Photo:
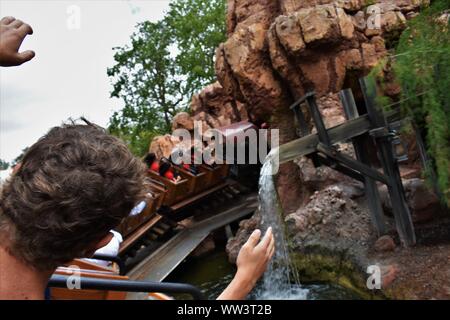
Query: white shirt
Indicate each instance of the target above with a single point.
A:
(111, 249)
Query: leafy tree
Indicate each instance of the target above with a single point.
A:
(197, 27)
(3, 164)
(422, 67)
(166, 62)
(147, 80)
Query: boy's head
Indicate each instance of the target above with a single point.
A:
(73, 186)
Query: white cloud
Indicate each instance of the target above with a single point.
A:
(67, 78)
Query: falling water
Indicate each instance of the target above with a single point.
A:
(281, 279)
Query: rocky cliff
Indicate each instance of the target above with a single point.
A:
(277, 50)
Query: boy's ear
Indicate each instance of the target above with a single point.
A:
(100, 244)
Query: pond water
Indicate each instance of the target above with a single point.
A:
(213, 273)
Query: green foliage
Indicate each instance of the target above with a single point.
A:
(165, 64)
(3, 164)
(197, 27)
(423, 66)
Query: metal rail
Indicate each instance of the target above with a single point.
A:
(59, 281)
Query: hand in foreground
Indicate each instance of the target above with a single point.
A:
(252, 261)
(12, 34)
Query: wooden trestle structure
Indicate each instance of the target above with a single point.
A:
(373, 125)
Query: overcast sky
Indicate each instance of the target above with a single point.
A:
(67, 78)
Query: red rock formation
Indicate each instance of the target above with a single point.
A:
(277, 50)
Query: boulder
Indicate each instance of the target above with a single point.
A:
(213, 107)
(182, 121)
(246, 227)
(384, 243)
(319, 24)
(289, 33)
(422, 202)
(162, 146)
(329, 214)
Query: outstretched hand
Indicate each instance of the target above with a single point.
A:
(252, 262)
(12, 34)
(253, 258)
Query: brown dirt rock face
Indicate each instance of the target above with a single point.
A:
(330, 214)
(214, 107)
(182, 121)
(162, 146)
(422, 202)
(277, 50)
(246, 227)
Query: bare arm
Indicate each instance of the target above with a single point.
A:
(12, 34)
(251, 262)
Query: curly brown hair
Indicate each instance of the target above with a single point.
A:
(73, 186)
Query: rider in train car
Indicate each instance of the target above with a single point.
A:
(163, 167)
(166, 170)
(150, 161)
(177, 159)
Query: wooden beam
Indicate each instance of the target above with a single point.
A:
(341, 133)
(360, 145)
(352, 163)
(400, 208)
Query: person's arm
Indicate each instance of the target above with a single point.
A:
(12, 34)
(252, 261)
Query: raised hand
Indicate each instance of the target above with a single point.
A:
(253, 258)
(252, 261)
(12, 34)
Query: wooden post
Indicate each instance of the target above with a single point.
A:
(304, 128)
(402, 215)
(360, 143)
(318, 121)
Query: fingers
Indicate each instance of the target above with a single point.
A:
(25, 29)
(271, 253)
(7, 20)
(271, 249)
(26, 56)
(16, 23)
(266, 240)
(22, 27)
(254, 238)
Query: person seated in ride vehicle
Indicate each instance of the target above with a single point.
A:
(111, 249)
(166, 170)
(150, 161)
(177, 160)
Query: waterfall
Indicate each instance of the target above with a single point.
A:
(280, 281)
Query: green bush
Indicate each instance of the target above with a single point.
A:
(422, 67)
